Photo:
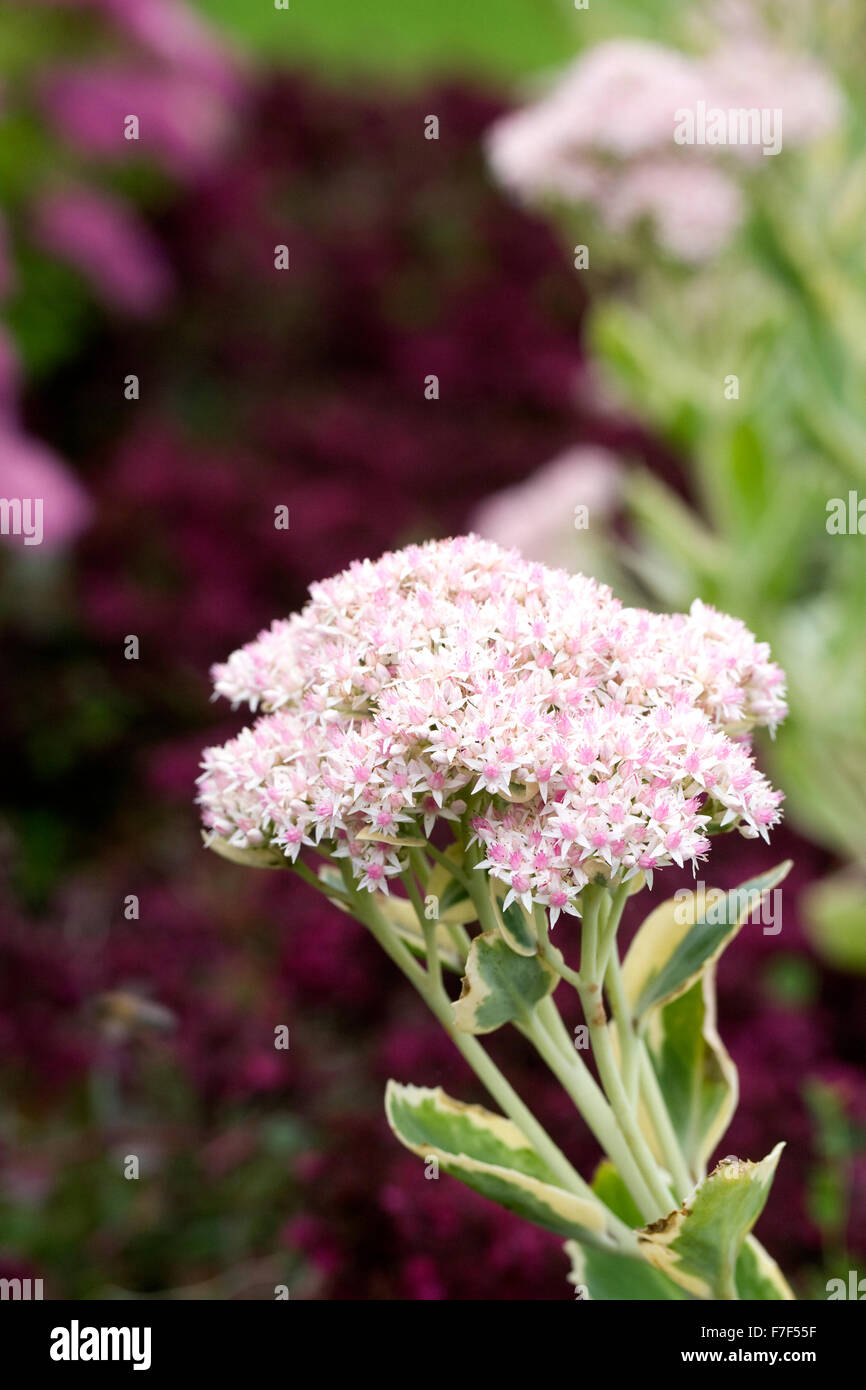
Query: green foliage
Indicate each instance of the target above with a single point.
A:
(696, 1076)
(501, 39)
(671, 950)
(499, 985)
(491, 1155)
(699, 1245)
(605, 1274)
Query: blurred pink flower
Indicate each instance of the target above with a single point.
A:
(621, 97)
(172, 32)
(29, 470)
(694, 209)
(536, 517)
(167, 29)
(181, 121)
(101, 238)
(749, 73)
(604, 134)
(616, 103)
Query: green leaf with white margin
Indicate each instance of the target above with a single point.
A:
(262, 857)
(499, 986)
(600, 1275)
(695, 1072)
(491, 1155)
(516, 925)
(608, 1275)
(678, 939)
(379, 837)
(699, 1245)
(758, 1275)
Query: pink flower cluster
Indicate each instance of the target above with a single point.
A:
(604, 135)
(456, 681)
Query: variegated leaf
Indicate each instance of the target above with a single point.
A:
(263, 857)
(758, 1275)
(379, 837)
(491, 1155)
(677, 1012)
(685, 934)
(499, 985)
(516, 925)
(600, 1275)
(603, 1275)
(695, 1072)
(699, 1245)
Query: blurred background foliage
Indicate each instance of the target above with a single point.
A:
(153, 1034)
(391, 41)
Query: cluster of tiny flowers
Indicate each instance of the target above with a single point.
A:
(455, 681)
(604, 135)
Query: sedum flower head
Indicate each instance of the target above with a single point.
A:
(457, 682)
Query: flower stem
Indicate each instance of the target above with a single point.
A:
(576, 1078)
(484, 1067)
(661, 1122)
(622, 1108)
(628, 1041)
(598, 906)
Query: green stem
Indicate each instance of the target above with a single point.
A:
(592, 901)
(304, 872)
(622, 1109)
(552, 954)
(454, 869)
(477, 885)
(420, 864)
(576, 1078)
(485, 1069)
(607, 939)
(628, 1042)
(661, 1123)
(460, 936)
(415, 898)
(434, 964)
(650, 1190)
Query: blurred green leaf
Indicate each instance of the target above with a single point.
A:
(502, 40)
